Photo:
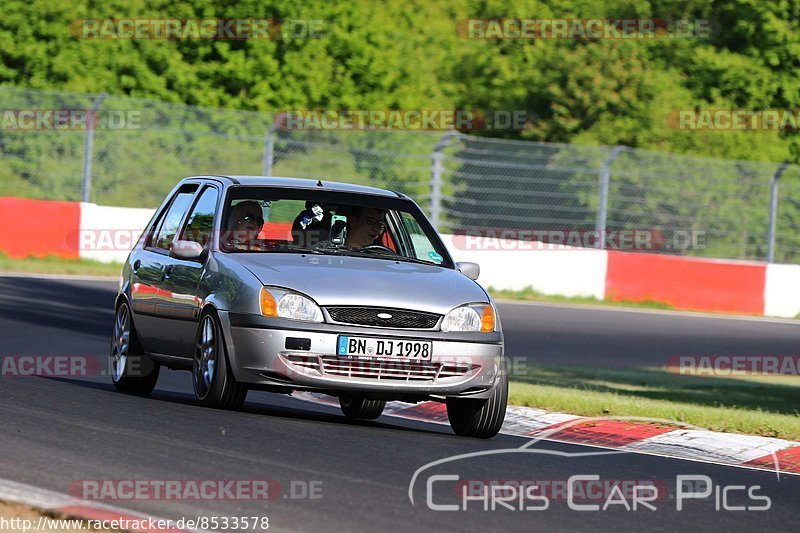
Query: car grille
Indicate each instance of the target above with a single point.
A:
(368, 316)
(380, 369)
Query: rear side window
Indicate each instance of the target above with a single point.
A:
(171, 221)
(201, 220)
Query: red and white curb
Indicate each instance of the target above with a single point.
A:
(56, 503)
(633, 435)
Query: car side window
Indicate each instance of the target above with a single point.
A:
(421, 246)
(200, 223)
(171, 221)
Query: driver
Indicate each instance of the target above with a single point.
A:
(365, 225)
(244, 224)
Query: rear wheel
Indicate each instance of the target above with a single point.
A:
(131, 370)
(212, 377)
(480, 418)
(359, 408)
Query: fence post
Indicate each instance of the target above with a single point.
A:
(773, 211)
(269, 152)
(437, 168)
(602, 208)
(88, 147)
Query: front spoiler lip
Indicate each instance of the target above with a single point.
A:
(401, 394)
(329, 385)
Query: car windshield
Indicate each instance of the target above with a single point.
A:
(276, 220)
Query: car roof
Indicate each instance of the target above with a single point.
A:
(300, 183)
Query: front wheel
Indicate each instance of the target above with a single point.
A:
(480, 418)
(131, 370)
(214, 384)
(359, 408)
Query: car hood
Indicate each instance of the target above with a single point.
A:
(341, 280)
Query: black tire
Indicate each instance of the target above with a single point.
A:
(480, 418)
(217, 388)
(131, 370)
(359, 408)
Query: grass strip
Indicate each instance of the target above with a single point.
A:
(754, 405)
(59, 265)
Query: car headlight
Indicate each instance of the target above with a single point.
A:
(283, 303)
(474, 317)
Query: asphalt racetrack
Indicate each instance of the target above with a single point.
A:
(330, 474)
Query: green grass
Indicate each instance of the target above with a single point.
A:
(531, 294)
(743, 404)
(59, 265)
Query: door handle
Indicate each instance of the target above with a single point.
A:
(168, 271)
(136, 265)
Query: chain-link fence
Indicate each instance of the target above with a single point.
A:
(137, 150)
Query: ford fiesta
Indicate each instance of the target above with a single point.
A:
(284, 285)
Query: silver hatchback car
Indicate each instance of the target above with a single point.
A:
(284, 285)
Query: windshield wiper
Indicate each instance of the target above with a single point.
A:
(301, 250)
(415, 260)
(395, 256)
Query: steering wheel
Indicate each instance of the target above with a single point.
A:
(378, 248)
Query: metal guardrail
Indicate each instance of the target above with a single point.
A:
(742, 210)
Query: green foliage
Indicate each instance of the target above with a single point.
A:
(407, 55)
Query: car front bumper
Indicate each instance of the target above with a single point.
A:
(462, 364)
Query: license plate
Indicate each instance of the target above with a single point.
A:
(372, 347)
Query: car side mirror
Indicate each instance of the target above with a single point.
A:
(186, 250)
(471, 270)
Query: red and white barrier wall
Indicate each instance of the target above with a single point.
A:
(782, 290)
(38, 227)
(103, 233)
(700, 284)
(107, 234)
(557, 270)
(687, 283)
